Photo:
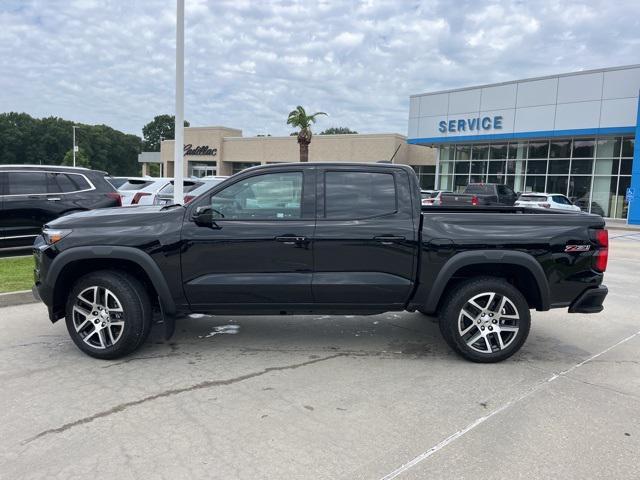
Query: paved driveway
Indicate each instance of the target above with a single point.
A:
(329, 397)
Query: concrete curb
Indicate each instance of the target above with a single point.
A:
(11, 299)
(622, 225)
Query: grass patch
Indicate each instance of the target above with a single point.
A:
(16, 273)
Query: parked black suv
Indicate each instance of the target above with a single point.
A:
(32, 195)
(319, 238)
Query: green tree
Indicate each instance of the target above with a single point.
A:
(298, 118)
(162, 126)
(338, 131)
(82, 160)
(46, 141)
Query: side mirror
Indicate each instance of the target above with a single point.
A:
(203, 217)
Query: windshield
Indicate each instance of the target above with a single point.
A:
(130, 185)
(187, 186)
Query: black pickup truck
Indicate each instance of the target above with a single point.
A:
(481, 194)
(318, 238)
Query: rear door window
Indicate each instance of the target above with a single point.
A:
(353, 195)
(66, 183)
(26, 183)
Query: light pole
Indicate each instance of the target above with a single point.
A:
(178, 154)
(74, 144)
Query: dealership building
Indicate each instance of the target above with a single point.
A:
(572, 134)
(224, 151)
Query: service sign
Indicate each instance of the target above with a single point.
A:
(471, 124)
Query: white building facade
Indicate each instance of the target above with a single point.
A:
(572, 134)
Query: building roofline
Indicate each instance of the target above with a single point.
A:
(214, 127)
(531, 79)
(317, 135)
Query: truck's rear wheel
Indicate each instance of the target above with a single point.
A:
(485, 319)
(108, 314)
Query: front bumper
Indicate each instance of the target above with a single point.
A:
(589, 301)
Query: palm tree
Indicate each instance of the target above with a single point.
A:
(299, 118)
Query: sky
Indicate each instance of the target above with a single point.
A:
(248, 63)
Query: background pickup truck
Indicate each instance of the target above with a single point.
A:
(318, 238)
(481, 194)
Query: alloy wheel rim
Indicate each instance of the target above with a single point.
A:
(98, 317)
(488, 322)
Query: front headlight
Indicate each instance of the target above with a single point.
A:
(54, 235)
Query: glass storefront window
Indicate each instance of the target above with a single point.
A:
(536, 167)
(564, 166)
(604, 192)
(463, 152)
(446, 153)
(426, 176)
(557, 184)
(627, 147)
(462, 167)
(606, 166)
(480, 152)
(445, 182)
(535, 184)
(460, 182)
(498, 151)
(446, 168)
(560, 149)
(517, 150)
(479, 167)
(608, 148)
(558, 167)
(625, 166)
(621, 205)
(580, 187)
(538, 150)
(497, 179)
(497, 167)
(582, 167)
(583, 148)
(515, 167)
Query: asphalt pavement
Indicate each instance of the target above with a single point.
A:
(331, 397)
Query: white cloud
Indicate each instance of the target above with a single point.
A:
(249, 63)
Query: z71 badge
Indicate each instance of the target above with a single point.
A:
(577, 248)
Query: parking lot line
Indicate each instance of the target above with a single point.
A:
(453, 437)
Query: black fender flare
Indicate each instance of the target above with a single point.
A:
(139, 257)
(504, 257)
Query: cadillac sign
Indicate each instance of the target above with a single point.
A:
(189, 149)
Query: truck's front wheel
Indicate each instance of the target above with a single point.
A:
(486, 319)
(108, 314)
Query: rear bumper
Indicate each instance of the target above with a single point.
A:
(589, 301)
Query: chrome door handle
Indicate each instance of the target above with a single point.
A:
(53, 199)
(389, 239)
(291, 239)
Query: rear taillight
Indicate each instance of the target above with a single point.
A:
(115, 196)
(601, 255)
(188, 198)
(427, 201)
(138, 196)
(474, 201)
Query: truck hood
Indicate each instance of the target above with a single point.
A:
(135, 216)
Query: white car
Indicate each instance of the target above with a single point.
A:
(551, 201)
(141, 190)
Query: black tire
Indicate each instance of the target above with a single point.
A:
(126, 303)
(501, 336)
